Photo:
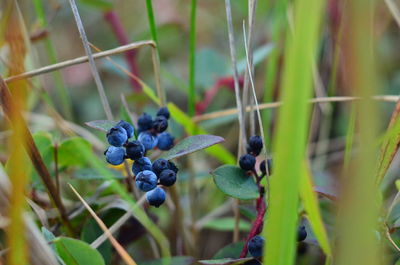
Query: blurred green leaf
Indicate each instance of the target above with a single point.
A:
(76, 252)
(210, 65)
(102, 125)
(100, 4)
(226, 261)
(311, 205)
(44, 143)
(69, 152)
(90, 174)
(230, 251)
(259, 55)
(227, 224)
(178, 260)
(192, 144)
(234, 182)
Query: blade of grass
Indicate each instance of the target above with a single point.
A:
(93, 68)
(291, 133)
(192, 60)
(152, 23)
(121, 251)
(311, 205)
(62, 91)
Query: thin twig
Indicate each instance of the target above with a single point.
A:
(272, 105)
(121, 251)
(389, 237)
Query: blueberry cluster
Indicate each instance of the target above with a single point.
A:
(152, 134)
(248, 161)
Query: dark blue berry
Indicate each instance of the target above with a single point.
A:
(160, 124)
(301, 233)
(127, 126)
(146, 180)
(165, 141)
(247, 162)
(163, 112)
(255, 145)
(167, 177)
(134, 150)
(156, 197)
(145, 122)
(117, 136)
(172, 166)
(263, 168)
(115, 155)
(148, 140)
(141, 164)
(255, 246)
(160, 165)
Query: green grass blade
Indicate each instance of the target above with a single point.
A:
(311, 205)
(192, 61)
(152, 22)
(291, 134)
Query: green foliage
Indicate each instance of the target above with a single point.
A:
(226, 261)
(227, 224)
(230, 251)
(76, 252)
(68, 154)
(234, 182)
(102, 125)
(178, 260)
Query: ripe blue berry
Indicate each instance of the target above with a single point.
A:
(148, 140)
(160, 124)
(255, 246)
(263, 168)
(117, 136)
(134, 150)
(167, 177)
(247, 162)
(141, 164)
(301, 233)
(156, 197)
(255, 145)
(159, 165)
(163, 112)
(145, 122)
(115, 155)
(172, 166)
(146, 180)
(165, 141)
(127, 126)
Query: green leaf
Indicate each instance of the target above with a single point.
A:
(259, 55)
(192, 144)
(227, 224)
(210, 65)
(234, 182)
(102, 125)
(76, 252)
(70, 153)
(178, 260)
(310, 202)
(230, 251)
(226, 261)
(101, 4)
(90, 174)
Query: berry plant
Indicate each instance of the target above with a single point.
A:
(171, 132)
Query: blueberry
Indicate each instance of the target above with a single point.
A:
(159, 165)
(173, 167)
(115, 155)
(255, 145)
(146, 180)
(156, 197)
(167, 177)
(145, 122)
(127, 126)
(148, 140)
(141, 164)
(255, 246)
(117, 136)
(165, 141)
(301, 233)
(135, 150)
(163, 112)
(160, 124)
(247, 162)
(263, 169)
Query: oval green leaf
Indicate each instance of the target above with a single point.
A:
(76, 252)
(102, 125)
(226, 261)
(192, 144)
(234, 182)
(68, 154)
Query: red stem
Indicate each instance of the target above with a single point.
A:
(130, 56)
